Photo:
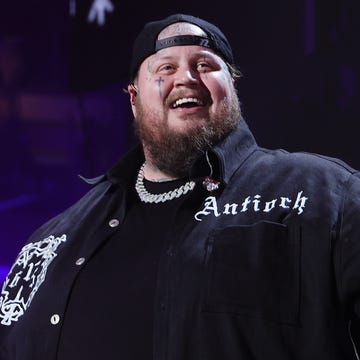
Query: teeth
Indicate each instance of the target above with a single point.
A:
(186, 100)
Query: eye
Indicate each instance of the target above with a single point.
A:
(166, 68)
(203, 67)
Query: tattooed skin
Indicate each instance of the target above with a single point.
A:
(159, 81)
(186, 104)
(174, 152)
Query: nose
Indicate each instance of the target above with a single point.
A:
(185, 76)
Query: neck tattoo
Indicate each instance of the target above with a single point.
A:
(147, 197)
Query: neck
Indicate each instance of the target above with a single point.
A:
(152, 173)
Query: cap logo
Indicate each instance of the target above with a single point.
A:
(181, 40)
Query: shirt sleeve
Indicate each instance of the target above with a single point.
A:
(347, 256)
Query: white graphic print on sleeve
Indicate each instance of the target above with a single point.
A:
(26, 276)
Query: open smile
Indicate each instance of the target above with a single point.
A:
(187, 102)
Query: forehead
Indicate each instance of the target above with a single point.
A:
(189, 52)
(181, 28)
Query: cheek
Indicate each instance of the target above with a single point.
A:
(155, 88)
(218, 84)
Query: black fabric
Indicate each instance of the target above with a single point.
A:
(145, 42)
(181, 40)
(110, 313)
(203, 309)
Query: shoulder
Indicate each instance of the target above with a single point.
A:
(315, 173)
(306, 162)
(75, 213)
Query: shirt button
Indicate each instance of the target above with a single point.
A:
(80, 261)
(114, 222)
(55, 319)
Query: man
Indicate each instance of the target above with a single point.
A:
(198, 244)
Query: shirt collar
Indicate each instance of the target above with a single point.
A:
(225, 158)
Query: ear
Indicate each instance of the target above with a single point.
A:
(132, 89)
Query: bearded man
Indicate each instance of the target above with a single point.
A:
(198, 244)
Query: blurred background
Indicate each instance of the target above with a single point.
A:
(64, 65)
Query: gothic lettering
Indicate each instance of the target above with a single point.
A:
(253, 203)
(26, 276)
(231, 207)
(209, 206)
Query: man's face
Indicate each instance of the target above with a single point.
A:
(186, 101)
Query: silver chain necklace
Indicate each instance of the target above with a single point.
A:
(147, 197)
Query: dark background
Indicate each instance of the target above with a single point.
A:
(63, 110)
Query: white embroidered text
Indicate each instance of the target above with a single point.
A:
(251, 203)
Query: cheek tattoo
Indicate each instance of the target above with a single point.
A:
(149, 67)
(159, 81)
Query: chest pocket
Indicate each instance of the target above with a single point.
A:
(254, 271)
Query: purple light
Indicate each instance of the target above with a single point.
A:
(309, 27)
(4, 270)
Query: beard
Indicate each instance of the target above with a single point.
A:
(173, 151)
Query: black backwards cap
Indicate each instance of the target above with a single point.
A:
(146, 42)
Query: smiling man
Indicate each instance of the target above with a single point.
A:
(198, 244)
(183, 98)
